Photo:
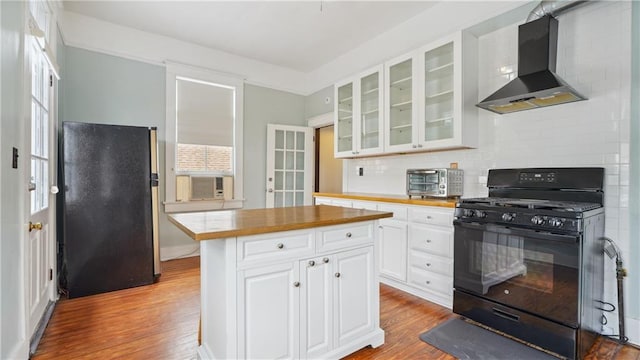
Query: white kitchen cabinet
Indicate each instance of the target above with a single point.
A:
(431, 94)
(358, 121)
(297, 294)
(415, 249)
(393, 249)
(268, 323)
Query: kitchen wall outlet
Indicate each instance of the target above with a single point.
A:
(453, 165)
(360, 170)
(14, 162)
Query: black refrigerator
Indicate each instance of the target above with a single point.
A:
(110, 208)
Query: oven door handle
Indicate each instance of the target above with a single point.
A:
(539, 235)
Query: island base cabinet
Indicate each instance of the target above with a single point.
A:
(323, 305)
(268, 316)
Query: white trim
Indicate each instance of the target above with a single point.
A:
(20, 351)
(174, 70)
(321, 120)
(187, 206)
(179, 251)
(633, 330)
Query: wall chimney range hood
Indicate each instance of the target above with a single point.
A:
(537, 84)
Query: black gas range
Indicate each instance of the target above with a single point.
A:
(528, 259)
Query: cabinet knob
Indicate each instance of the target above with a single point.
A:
(429, 217)
(325, 260)
(280, 246)
(296, 284)
(414, 146)
(428, 241)
(337, 275)
(428, 264)
(428, 282)
(312, 263)
(419, 145)
(348, 234)
(380, 227)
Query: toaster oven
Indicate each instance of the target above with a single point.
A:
(441, 183)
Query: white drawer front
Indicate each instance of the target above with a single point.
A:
(399, 212)
(345, 236)
(323, 201)
(431, 239)
(431, 281)
(275, 246)
(364, 205)
(431, 216)
(428, 262)
(341, 202)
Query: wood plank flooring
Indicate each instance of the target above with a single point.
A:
(160, 321)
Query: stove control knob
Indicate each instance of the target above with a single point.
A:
(537, 220)
(468, 213)
(555, 222)
(481, 214)
(507, 217)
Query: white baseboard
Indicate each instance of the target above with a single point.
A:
(632, 328)
(20, 351)
(179, 251)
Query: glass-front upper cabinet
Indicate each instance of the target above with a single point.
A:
(425, 102)
(400, 104)
(359, 115)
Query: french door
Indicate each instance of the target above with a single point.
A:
(41, 140)
(289, 166)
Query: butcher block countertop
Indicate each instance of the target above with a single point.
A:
(399, 199)
(231, 223)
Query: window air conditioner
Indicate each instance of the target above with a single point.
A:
(191, 188)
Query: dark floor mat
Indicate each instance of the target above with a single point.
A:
(467, 341)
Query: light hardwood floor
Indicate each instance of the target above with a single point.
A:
(160, 321)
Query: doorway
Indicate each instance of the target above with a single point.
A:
(328, 168)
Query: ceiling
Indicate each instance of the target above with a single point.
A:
(300, 35)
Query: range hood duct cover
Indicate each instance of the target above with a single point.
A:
(537, 84)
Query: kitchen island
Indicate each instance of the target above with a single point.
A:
(298, 282)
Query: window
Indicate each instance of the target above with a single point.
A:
(204, 134)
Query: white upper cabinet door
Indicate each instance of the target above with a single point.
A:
(358, 114)
(400, 103)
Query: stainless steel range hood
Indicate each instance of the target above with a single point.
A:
(537, 84)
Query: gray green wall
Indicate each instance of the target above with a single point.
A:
(108, 89)
(264, 106)
(315, 104)
(12, 184)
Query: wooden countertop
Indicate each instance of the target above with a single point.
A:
(231, 223)
(399, 199)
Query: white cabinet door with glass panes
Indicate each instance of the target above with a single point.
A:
(425, 107)
(289, 166)
(358, 114)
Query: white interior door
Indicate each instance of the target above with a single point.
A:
(289, 166)
(39, 251)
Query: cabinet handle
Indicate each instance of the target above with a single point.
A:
(428, 264)
(414, 146)
(428, 241)
(296, 284)
(337, 275)
(380, 227)
(428, 282)
(429, 217)
(419, 145)
(312, 263)
(325, 260)
(348, 234)
(280, 246)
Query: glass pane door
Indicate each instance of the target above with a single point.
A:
(369, 112)
(401, 103)
(438, 89)
(289, 168)
(344, 130)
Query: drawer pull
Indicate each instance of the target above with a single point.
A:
(348, 234)
(428, 264)
(312, 263)
(296, 284)
(280, 246)
(429, 217)
(325, 260)
(428, 241)
(337, 275)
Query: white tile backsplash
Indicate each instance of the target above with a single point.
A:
(593, 56)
